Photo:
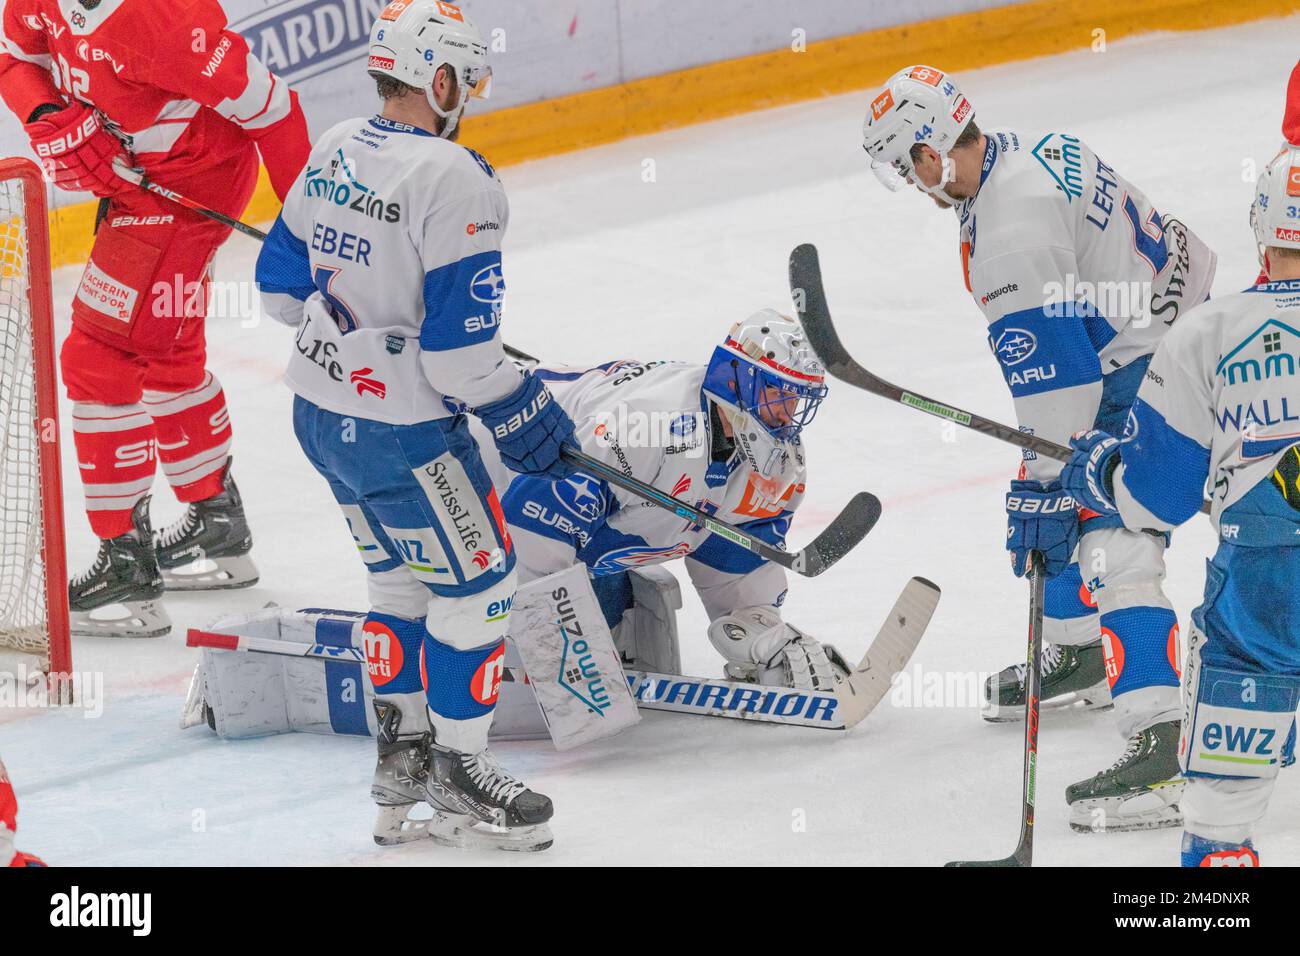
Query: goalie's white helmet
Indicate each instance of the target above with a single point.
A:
(768, 384)
(411, 39)
(919, 104)
(1275, 213)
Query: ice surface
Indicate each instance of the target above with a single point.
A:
(602, 265)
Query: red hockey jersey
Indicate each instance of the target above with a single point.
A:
(182, 91)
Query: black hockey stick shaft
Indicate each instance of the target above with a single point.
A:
(147, 184)
(1024, 852)
(810, 300)
(839, 538)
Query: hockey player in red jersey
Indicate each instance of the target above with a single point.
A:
(168, 89)
(9, 825)
(1291, 116)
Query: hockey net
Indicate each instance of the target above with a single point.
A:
(33, 572)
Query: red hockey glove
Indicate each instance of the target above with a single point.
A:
(76, 151)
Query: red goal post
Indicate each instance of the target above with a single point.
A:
(33, 563)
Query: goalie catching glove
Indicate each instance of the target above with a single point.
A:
(760, 648)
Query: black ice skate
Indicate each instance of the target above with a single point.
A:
(206, 549)
(118, 595)
(400, 776)
(1071, 676)
(1140, 792)
(477, 804)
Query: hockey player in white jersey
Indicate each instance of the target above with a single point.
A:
(1220, 406)
(1079, 278)
(727, 437)
(387, 260)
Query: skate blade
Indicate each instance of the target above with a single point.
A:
(1151, 809)
(126, 619)
(394, 825)
(212, 574)
(466, 833)
(1093, 699)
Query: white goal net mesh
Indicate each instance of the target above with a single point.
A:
(24, 614)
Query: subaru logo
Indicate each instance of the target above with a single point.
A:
(1015, 345)
(682, 426)
(581, 495)
(488, 285)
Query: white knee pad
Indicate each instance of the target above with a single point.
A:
(1127, 566)
(398, 593)
(475, 620)
(1225, 810)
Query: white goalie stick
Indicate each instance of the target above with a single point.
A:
(853, 698)
(815, 315)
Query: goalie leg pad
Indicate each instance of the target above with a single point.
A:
(572, 665)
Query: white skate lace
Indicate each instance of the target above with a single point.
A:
(1131, 750)
(86, 576)
(489, 777)
(175, 532)
(1051, 657)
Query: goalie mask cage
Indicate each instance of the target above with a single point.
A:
(33, 566)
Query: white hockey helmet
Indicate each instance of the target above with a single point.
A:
(919, 104)
(1275, 213)
(411, 39)
(768, 384)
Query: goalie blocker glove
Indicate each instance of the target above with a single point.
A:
(530, 430)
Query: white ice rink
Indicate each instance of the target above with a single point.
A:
(603, 265)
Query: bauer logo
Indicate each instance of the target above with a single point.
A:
(1015, 345)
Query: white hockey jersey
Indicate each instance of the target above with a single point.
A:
(387, 259)
(1077, 274)
(646, 419)
(1220, 404)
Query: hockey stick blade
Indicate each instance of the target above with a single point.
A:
(848, 528)
(889, 653)
(814, 314)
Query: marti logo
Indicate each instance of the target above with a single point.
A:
(383, 650)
